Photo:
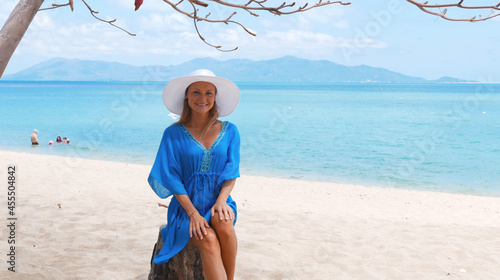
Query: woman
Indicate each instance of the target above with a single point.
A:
(198, 163)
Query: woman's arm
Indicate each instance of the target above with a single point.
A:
(220, 205)
(198, 223)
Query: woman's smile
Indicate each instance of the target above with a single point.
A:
(201, 96)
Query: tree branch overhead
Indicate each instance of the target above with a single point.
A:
(435, 9)
(13, 30)
(253, 7)
(191, 9)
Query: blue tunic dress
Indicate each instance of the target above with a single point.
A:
(185, 166)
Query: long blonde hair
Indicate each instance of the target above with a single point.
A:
(213, 115)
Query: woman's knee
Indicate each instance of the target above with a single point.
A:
(209, 243)
(222, 227)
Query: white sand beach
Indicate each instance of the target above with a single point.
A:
(88, 219)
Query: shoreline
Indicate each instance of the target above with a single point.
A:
(284, 177)
(92, 219)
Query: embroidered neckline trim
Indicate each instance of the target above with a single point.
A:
(207, 154)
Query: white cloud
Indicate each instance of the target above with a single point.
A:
(172, 34)
(6, 7)
(311, 41)
(325, 14)
(97, 40)
(299, 43)
(322, 19)
(341, 24)
(42, 21)
(303, 22)
(230, 38)
(166, 22)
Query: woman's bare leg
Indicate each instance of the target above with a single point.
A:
(228, 243)
(210, 249)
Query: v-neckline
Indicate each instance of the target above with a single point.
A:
(198, 143)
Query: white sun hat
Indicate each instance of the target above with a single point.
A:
(226, 99)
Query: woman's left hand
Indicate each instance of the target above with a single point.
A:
(223, 209)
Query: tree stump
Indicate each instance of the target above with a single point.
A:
(186, 265)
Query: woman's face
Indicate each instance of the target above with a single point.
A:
(201, 97)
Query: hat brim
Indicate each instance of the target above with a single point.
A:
(226, 99)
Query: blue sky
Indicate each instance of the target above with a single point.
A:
(391, 34)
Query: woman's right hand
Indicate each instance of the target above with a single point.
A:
(197, 226)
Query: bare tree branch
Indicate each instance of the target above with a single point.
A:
(92, 12)
(199, 3)
(201, 37)
(252, 7)
(280, 10)
(494, 10)
(55, 6)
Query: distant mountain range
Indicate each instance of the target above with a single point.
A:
(284, 69)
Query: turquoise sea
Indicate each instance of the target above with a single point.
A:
(437, 137)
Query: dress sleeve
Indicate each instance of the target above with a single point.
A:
(232, 167)
(165, 176)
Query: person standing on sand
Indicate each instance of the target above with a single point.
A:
(34, 138)
(198, 162)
